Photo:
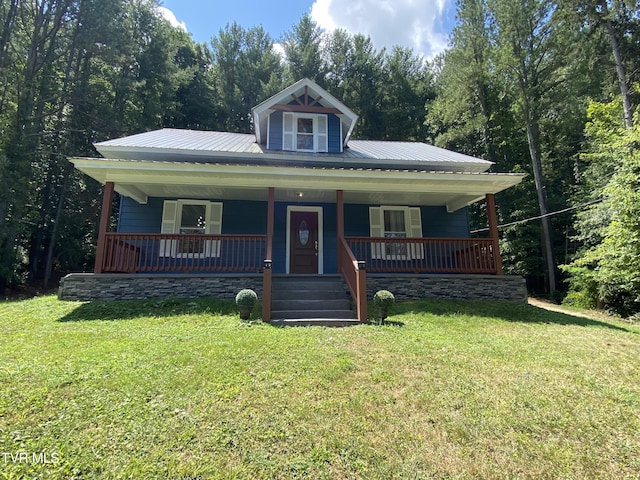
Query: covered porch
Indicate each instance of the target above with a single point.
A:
(252, 254)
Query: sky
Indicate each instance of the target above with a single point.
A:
(422, 25)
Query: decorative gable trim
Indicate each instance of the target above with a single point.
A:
(308, 97)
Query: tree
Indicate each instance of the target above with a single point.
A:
(619, 20)
(607, 270)
(247, 71)
(303, 52)
(533, 53)
(407, 90)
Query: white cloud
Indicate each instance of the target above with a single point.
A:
(279, 49)
(170, 17)
(418, 24)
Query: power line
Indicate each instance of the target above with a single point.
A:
(540, 216)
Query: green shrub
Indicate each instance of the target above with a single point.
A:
(383, 300)
(246, 298)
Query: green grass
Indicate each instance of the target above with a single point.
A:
(183, 389)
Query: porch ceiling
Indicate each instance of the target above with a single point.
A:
(142, 179)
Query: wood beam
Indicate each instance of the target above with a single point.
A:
(268, 263)
(105, 218)
(317, 100)
(340, 221)
(493, 231)
(306, 109)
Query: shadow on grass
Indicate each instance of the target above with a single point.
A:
(129, 309)
(509, 311)
(384, 323)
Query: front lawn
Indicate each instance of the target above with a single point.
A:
(184, 389)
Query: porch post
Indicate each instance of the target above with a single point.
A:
(105, 217)
(268, 262)
(493, 231)
(339, 223)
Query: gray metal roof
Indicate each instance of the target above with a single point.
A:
(193, 145)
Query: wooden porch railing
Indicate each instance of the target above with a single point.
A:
(140, 253)
(355, 275)
(425, 255)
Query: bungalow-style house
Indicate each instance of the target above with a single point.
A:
(208, 213)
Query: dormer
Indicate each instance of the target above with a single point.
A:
(303, 118)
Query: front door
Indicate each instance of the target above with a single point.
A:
(304, 242)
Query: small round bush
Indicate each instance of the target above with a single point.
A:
(246, 298)
(384, 299)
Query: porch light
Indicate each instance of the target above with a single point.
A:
(300, 194)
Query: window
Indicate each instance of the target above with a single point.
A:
(304, 132)
(394, 227)
(395, 222)
(189, 218)
(192, 218)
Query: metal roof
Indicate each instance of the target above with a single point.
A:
(194, 145)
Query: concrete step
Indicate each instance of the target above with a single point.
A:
(310, 300)
(306, 304)
(300, 314)
(333, 294)
(310, 322)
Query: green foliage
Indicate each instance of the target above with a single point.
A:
(383, 299)
(609, 265)
(246, 298)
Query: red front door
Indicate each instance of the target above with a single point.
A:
(304, 242)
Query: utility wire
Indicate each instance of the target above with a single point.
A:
(526, 220)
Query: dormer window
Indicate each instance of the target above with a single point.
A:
(305, 132)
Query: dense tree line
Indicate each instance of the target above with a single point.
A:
(546, 87)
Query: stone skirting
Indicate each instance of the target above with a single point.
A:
(455, 287)
(90, 286)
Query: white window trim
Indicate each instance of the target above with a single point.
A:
(320, 144)
(413, 229)
(169, 248)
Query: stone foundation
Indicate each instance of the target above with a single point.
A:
(455, 287)
(89, 286)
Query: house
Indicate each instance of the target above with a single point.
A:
(208, 213)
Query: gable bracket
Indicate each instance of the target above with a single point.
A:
(295, 97)
(315, 101)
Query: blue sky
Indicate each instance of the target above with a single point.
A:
(423, 25)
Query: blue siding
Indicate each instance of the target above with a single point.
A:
(137, 218)
(242, 217)
(437, 222)
(275, 131)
